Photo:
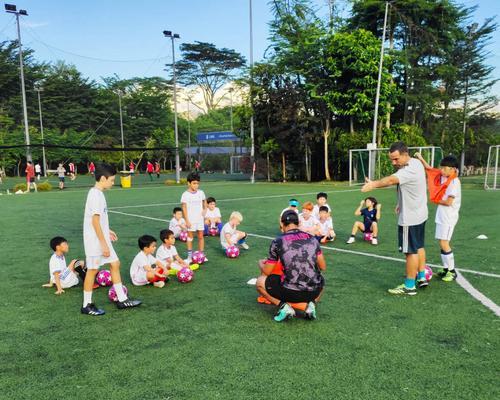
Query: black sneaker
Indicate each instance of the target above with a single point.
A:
(91, 309)
(128, 304)
(422, 283)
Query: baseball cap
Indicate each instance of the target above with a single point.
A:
(290, 217)
(293, 203)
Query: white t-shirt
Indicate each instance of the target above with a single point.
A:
(316, 210)
(194, 205)
(215, 213)
(448, 215)
(289, 209)
(58, 264)
(176, 226)
(163, 253)
(412, 194)
(325, 226)
(61, 171)
(137, 270)
(307, 223)
(227, 229)
(96, 205)
(38, 169)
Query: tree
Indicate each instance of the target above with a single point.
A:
(269, 147)
(208, 67)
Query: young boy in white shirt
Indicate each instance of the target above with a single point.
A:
(321, 201)
(213, 217)
(177, 223)
(167, 253)
(230, 236)
(447, 212)
(97, 240)
(307, 221)
(61, 172)
(145, 268)
(194, 206)
(61, 275)
(326, 232)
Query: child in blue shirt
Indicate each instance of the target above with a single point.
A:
(371, 216)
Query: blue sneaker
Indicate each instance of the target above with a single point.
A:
(284, 312)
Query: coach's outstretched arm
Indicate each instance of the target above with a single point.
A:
(390, 180)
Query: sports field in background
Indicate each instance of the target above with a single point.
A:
(210, 339)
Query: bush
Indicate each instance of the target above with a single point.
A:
(20, 186)
(170, 182)
(44, 186)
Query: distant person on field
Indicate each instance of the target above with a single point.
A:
(61, 172)
(91, 168)
(38, 171)
(412, 211)
(72, 171)
(370, 209)
(30, 177)
(131, 168)
(448, 197)
(157, 169)
(150, 170)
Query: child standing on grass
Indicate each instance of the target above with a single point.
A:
(371, 215)
(321, 201)
(194, 206)
(213, 217)
(445, 179)
(230, 236)
(61, 275)
(30, 177)
(61, 172)
(177, 223)
(326, 232)
(167, 253)
(97, 238)
(145, 268)
(307, 221)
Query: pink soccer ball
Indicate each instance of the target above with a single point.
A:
(183, 236)
(198, 257)
(367, 236)
(104, 278)
(185, 275)
(232, 251)
(112, 294)
(213, 231)
(428, 273)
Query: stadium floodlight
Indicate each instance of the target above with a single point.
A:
(177, 159)
(11, 8)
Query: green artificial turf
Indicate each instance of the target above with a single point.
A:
(210, 339)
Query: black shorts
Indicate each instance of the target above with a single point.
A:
(276, 289)
(61, 179)
(32, 179)
(411, 238)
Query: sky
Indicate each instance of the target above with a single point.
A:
(124, 37)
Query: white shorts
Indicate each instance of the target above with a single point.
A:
(444, 232)
(197, 226)
(234, 240)
(70, 280)
(139, 278)
(176, 232)
(95, 262)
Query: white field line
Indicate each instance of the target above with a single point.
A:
(464, 283)
(236, 199)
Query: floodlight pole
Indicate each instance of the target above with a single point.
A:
(252, 136)
(10, 8)
(38, 90)
(121, 128)
(189, 135)
(377, 97)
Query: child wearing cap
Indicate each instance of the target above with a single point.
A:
(293, 205)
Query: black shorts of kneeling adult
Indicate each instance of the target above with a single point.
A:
(274, 286)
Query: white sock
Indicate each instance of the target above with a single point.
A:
(448, 260)
(120, 292)
(87, 298)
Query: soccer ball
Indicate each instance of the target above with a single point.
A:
(112, 294)
(198, 257)
(428, 273)
(104, 278)
(183, 236)
(185, 275)
(367, 236)
(232, 251)
(213, 231)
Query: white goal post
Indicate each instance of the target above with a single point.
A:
(492, 178)
(359, 162)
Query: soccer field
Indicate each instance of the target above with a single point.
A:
(210, 339)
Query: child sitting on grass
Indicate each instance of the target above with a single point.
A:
(145, 268)
(326, 232)
(61, 275)
(307, 221)
(371, 216)
(213, 218)
(177, 223)
(230, 236)
(321, 201)
(167, 253)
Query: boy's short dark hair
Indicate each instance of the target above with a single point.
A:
(373, 200)
(449, 161)
(145, 241)
(210, 200)
(324, 208)
(165, 234)
(398, 146)
(193, 176)
(104, 169)
(321, 194)
(176, 209)
(56, 241)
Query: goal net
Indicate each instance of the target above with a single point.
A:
(492, 177)
(359, 162)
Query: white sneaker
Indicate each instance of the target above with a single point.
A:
(189, 260)
(245, 246)
(351, 240)
(159, 284)
(374, 241)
